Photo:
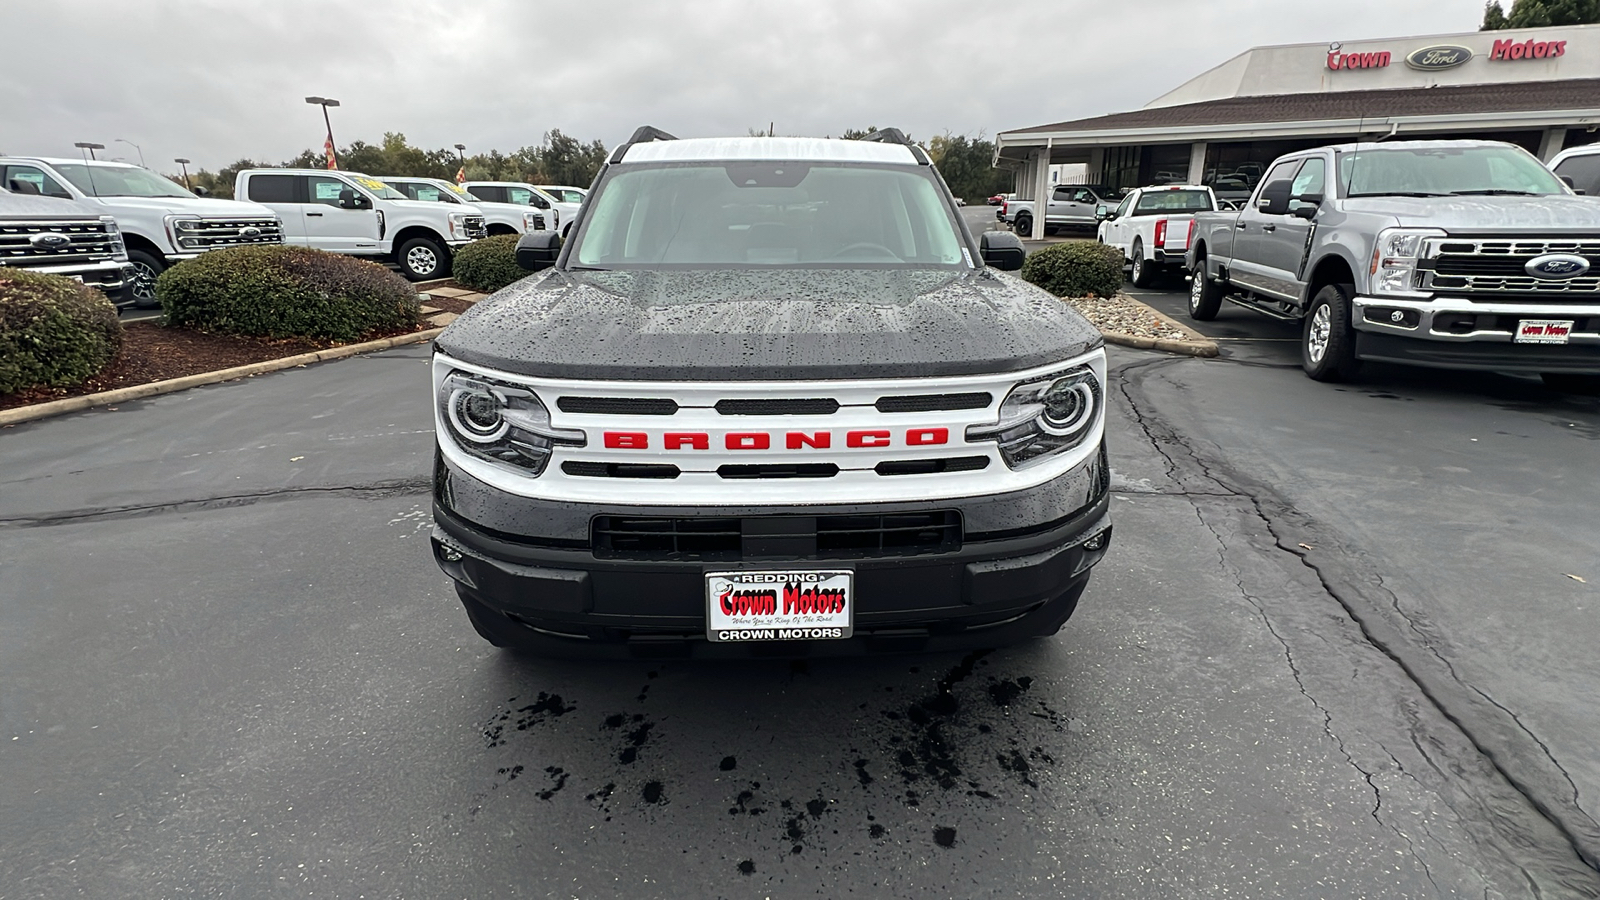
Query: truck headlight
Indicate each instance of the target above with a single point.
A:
(119, 249)
(185, 233)
(1044, 416)
(500, 422)
(1394, 260)
(458, 223)
(532, 221)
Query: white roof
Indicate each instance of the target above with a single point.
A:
(769, 148)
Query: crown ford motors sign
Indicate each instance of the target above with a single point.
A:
(1439, 56)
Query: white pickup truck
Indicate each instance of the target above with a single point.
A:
(561, 214)
(346, 212)
(1152, 226)
(499, 218)
(161, 223)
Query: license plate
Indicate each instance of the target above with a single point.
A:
(801, 605)
(1544, 331)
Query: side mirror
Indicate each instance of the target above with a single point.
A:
(538, 250)
(1274, 199)
(1002, 250)
(1308, 206)
(1567, 180)
(347, 199)
(201, 191)
(1102, 212)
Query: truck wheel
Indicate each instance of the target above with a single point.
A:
(1328, 340)
(1022, 224)
(1141, 270)
(421, 259)
(146, 267)
(1205, 295)
(1571, 383)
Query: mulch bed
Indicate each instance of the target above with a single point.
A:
(151, 352)
(1122, 315)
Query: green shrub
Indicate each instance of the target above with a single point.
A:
(53, 331)
(1076, 269)
(284, 292)
(488, 265)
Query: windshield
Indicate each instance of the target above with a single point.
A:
(377, 187)
(768, 214)
(461, 192)
(116, 181)
(1443, 171)
(421, 190)
(1154, 202)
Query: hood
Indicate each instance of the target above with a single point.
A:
(1492, 215)
(753, 325)
(196, 206)
(468, 209)
(35, 206)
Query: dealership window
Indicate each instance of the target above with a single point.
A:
(1164, 164)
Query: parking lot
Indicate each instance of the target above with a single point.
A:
(1339, 649)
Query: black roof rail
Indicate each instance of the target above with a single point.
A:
(896, 136)
(642, 135)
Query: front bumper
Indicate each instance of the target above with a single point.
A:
(1456, 333)
(998, 587)
(114, 279)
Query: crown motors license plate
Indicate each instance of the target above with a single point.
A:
(1544, 331)
(805, 605)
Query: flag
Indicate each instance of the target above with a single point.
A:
(461, 174)
(327, 147)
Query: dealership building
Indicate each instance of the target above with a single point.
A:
(1536, 87)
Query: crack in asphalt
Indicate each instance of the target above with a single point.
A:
(1580, 830)
(374, 490)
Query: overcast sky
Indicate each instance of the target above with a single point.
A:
(218, 81)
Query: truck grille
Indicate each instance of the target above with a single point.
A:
(24, 243)
(475, 227)
(1495, 269)
(732, 539)
(209, 234)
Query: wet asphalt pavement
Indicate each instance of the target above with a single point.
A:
(1333, 653)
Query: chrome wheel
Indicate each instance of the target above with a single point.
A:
(1197, 290)
(422, 260)
(1138, 267)
(1317, 335)
(144, 283)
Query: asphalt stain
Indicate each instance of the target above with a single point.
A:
(876, 831)
(1005, 691)
(547, 706)
(861, 773)
(511, 772)
(558, 778)
(747, 867)
(652, 792)
(944, 836)
(728, 764)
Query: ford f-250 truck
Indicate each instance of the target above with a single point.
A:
(1452, 254)
(1071, 206)
(770, 398)
(53, 236)
(1152, 226)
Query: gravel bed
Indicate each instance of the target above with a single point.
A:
(1125, 316)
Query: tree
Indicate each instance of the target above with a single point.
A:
(967, 164)
(1540, 14)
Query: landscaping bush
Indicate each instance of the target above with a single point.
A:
(53, 330)
(1076, 269)
(284, 292)
(488, 265)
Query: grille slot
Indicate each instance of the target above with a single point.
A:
(619, 470)
(932, 466)
(933, 402)
(813, 406)
(624, 406)
(734, 538)
(779, 470)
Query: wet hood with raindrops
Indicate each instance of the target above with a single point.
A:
(767, 324)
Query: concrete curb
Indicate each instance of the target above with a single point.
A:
(156, 388)
(1193, 344)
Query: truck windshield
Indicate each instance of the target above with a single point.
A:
(1155, 202)
(754, 214)
(117, 181)
(419, 190)
(1443, 171)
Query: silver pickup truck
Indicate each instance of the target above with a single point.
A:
(1451, 254)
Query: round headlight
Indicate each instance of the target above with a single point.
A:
(477, 414)
(1067, 403)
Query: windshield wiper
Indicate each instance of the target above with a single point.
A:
(1496, 192)
(1395, 194)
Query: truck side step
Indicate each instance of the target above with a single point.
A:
(1277, 309)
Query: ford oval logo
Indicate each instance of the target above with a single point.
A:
(1439, 56)
(249, 231)
(49, 240)
(1557, 265)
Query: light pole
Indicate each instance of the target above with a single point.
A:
(90, 146)
(461, 151)
(185, 163)
(326, 102)
(134, 146)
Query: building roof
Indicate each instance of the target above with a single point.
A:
(1572, 94)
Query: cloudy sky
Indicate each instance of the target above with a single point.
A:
(222, 80)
